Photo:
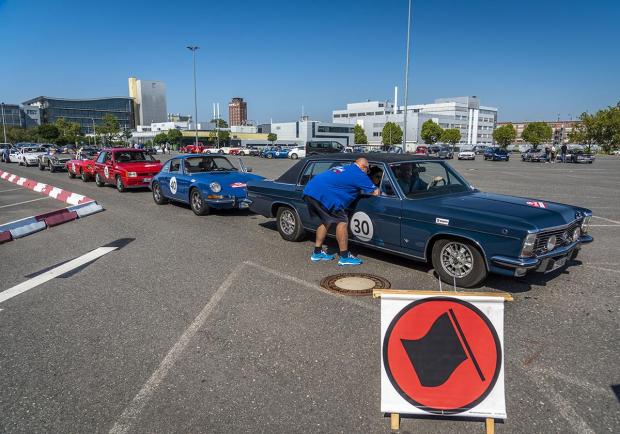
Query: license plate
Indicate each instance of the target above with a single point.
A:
(146, 179)
(558, 263)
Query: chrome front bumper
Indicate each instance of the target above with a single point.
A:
(540, 260)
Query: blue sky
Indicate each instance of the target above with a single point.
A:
(531, 59)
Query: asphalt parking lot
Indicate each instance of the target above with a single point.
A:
(215, 324)
(18, 202)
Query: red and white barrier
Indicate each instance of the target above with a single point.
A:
(46, 189)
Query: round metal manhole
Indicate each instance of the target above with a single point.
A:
(354, 283)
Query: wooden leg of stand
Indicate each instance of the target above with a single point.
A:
(490, 424)
(395, 421)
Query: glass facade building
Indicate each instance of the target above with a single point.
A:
(85, 112)
(14, 115)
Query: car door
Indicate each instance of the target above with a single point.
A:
(376, 219)
(169, 181)
(163, 178)
(100, 163)
(108, 167)
(312, 169)
(184, 179)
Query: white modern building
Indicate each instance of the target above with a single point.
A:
(149, 101)
(306, 130)
(475, 122)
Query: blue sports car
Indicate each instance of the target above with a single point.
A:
(496, 154)
(203, 182)
(275, 152)
(428, 212)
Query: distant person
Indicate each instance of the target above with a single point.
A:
(547, 152)
(563, 150)
(554, 152)
(328, 195)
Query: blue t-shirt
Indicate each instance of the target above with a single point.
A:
(337, 187)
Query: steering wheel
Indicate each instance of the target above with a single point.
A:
(436, 180)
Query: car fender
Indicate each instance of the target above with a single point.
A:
(453, 235)
(277, 204)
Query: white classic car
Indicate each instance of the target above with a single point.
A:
(467, 155)
(27, 156)
(298, 152)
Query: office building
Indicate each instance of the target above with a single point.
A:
(15, 115)
(306, 130)
(560, 129)
(177, 117)
(84, 112)
(150, 101)
(237, 112)
(475, 122)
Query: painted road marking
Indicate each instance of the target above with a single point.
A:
(135, 407)
(606, 219)
(62, 269)
(26, 201)
(10, 189)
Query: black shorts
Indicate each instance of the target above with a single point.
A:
(327, 217)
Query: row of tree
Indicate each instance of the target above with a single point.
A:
(392, 134)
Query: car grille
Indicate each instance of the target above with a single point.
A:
(563, 237)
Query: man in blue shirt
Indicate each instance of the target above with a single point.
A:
(328, 195)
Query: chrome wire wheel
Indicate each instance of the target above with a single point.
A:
(457, 259)
(156, 192)
(287, 222)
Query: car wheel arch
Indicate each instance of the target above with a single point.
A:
(277, 205)
(456, 237)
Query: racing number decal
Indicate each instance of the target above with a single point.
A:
(361, 226)
(106, 171)
(173, 185)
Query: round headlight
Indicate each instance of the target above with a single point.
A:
(215, 187)
(576, 234)
(551, 242)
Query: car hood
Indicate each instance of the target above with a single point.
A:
(507, 211)
(33, 154)
(226, 178)
(146, 165)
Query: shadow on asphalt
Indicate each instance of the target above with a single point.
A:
(513, 285)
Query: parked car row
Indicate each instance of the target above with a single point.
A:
(426, 210)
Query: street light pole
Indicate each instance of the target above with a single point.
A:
(406, 79)
(193, 49)
(94, 132)
(3, 124)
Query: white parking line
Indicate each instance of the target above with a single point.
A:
(606, 219)
(135, 407)
(11, 189)
(54, 272)
(26, 201)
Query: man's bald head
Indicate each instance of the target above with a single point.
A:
(362, 163)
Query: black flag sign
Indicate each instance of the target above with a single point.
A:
(436, 355)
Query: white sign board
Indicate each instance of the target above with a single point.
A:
(442, 354)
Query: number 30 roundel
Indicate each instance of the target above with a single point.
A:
(361, 226)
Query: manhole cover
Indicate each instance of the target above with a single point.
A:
(354, 283)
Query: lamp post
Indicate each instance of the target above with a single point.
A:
(193, 49)
(3, 124)
(406, 80)
(94, 132)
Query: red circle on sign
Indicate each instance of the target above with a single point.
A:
(442, 355)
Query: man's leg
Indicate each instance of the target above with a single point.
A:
(342, 237)
(321, 233)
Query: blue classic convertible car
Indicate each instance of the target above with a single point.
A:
(202, 181)
(428, 212)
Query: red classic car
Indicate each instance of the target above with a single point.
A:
(125, 168)
(83, 165)
(193, 149)
(421, 150)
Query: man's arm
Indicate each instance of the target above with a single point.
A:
(377, 192)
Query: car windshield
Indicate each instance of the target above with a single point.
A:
(132, 156)
(26, 150)
(420, 179)
(208, 164)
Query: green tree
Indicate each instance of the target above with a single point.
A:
(451, 136)
(219, 123)
(70, 132)
(109, 129)
(48, 133)
(272, 137)
(391, 134)
(431, 132)
(160, 138)
(602, 128)
(504, 135)
(537, 133)
(18, 134)
(223, 136)
(360, 135)
(175, 137)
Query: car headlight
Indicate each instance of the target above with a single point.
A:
(576, 234)
(585, 224)
(551, 242)
(528, 245)
(132, 174)
(215, 187)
